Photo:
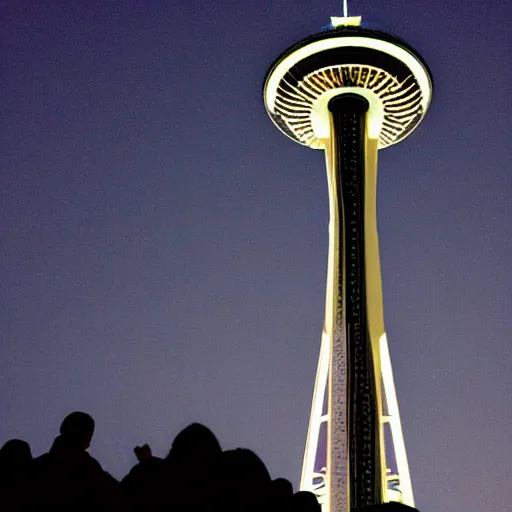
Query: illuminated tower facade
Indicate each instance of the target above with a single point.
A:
(351, 91)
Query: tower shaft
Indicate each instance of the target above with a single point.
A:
(354, 442)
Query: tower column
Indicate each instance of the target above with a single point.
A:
(354, 427)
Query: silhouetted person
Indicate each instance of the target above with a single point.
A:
(181, 481)
(191, 467)
(67, 477)
(15, 463)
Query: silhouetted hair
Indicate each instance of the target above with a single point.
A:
(195, 440)
(77, 425)
(281, 487)
(15, 451)
(244, 465)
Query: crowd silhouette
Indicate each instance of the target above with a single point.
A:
(195, 476)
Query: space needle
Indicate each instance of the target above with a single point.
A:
(351, 91)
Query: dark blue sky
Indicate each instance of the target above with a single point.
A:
(163, 246)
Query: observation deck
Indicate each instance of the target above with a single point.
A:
(384, 69)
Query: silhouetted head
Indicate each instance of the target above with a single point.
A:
(247, 480)
(195, 442)
(246, 470)
(304, 501)
(281, 488)
(15, 452)
(280, 495)
(78, 429)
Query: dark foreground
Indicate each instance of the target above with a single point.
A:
(195, 476)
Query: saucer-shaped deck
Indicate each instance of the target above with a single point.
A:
(384, 69)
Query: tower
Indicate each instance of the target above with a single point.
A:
(351, 91)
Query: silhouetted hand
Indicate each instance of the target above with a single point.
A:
(143, 452)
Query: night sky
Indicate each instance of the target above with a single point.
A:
(163, 245)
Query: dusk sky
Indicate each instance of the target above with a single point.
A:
(164, 246)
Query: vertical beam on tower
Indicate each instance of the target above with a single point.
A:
(393, 418)
(353, 400)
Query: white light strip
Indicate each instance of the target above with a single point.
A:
(316, 416)
(395, 424)
(416, 67)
